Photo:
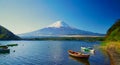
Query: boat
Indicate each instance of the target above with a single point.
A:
(8, 45)
(1, 46)
(12, 45)
(78, 54)
(4, 49)
(88, 49)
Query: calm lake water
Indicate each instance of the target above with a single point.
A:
(50, 53)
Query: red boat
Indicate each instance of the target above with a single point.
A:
(78, 54)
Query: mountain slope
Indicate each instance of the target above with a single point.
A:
(7, 35)
(113, 33)
(58, 28)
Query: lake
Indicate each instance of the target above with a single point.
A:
(51, 53)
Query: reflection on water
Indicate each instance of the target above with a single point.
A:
(83, 61)
(50, 53)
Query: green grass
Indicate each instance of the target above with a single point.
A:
(111, 44)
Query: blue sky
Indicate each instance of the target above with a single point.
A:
(20, 16)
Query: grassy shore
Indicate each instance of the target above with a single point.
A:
(113, 50)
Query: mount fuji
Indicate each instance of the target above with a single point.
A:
(58, 28)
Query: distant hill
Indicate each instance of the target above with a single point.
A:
(58, 28)
(7, 35)
(113, 34)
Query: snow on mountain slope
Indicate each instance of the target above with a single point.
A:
(59, 24)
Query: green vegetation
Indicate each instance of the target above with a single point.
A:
(71, 38)
(112, 39)
(113, 34)
(7, 35)
(112, 43)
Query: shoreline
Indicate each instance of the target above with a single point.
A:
(68, 38)
(114, 57)
(111, 56)
(113, 53)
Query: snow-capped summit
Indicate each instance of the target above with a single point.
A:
(59, 24)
